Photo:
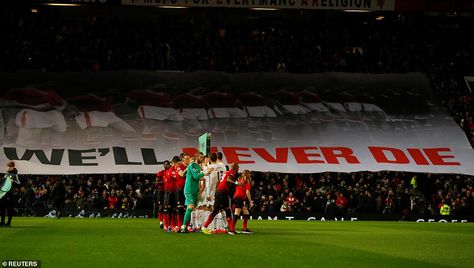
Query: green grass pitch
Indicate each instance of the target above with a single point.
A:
(71, 242)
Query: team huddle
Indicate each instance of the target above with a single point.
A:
(199, 194)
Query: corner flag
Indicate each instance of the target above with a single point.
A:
(205, 143)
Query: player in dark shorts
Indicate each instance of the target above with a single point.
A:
(169, 200)
(160, 191)
(242, 192)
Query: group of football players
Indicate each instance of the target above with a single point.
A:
(200, 194)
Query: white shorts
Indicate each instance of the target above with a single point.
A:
(102, 119)
(28, 118)
(317, 107)
(354, 106)
(334, 106)
(159, 113)
(260, 111)
(295, 109)
(194, 113)
(218, 113)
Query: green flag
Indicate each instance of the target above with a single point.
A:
(5, 186)
(205, 143)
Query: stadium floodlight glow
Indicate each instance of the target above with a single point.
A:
(175, 7)
(263, 8)
(61, 5)
(380, 18)
(34, 10)
(357, 10)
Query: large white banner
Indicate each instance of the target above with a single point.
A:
(322, 122)
(372, 5)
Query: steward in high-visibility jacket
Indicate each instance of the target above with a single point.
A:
(445, 210)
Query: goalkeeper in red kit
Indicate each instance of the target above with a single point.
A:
(242, 192)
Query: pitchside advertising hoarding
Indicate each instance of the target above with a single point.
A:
(372, 5)
(274, 216)
(333, 122)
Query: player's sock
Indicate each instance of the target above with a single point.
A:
(223, 220)
(180, 215)
(212, 224)
(236, 218)
(166, 220)
(193, 218)
(187, 216)
(218, 222)
(244, 222)
(210, 219)
(173, 220)
(197, 214)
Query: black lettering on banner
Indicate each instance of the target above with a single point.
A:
(292, 2)
(56, 155)
(315, 3)
(324, 3)
(358, 3)
(149, 157)
(245, 2)
(344, 3)
(219, 2)
(304, 3)
(366, 3)
(121, 158)
(103, 151)
(76, 157)
(263, 2)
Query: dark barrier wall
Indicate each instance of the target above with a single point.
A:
(262, 216)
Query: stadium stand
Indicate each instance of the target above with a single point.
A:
(398, 43)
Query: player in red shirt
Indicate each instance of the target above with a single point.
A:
(160, 190)
(180, 165)
(170, 198)
(242, 192)
(222, 195)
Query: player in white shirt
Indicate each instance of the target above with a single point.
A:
(211, 184)
(219, 224)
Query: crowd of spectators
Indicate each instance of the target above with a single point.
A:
(323, 42)
(125, 192)
(364, 192)
(439, 47)
(329, 193)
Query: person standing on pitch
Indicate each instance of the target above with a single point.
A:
(8, 199)
(242, 192)
(58, 194)
(191, 187)
(160, 191)
(179, 165)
